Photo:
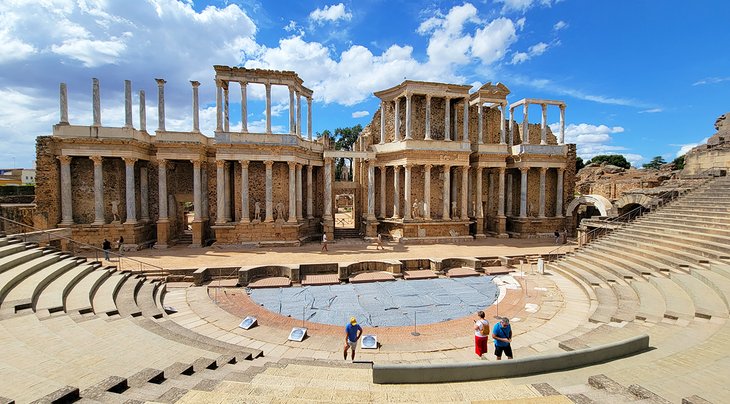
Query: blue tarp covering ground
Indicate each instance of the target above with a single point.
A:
(382, 303)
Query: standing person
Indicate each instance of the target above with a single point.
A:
(379, 242)
(353, 331)
(324, 242)
(481, 334)
(502, 336)
(120, 244)
(557, 237)
(106, 246)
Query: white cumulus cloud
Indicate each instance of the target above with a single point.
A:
(560, 25)
(360, 114)
(330, 13)
(534, 50)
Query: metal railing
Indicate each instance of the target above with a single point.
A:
(122, 262)
(612, 224)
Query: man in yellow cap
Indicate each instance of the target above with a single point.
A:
(353, 331)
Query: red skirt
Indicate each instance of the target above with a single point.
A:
(480, 345)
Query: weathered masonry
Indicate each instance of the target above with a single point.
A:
(436, 163)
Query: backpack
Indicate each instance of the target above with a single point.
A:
(484, 330)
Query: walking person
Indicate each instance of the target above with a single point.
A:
(557, 237)
(120, 245)
(379, 242)
(324, 242)
(481, 334)
(502, 336)
(106, 246)
(353, 331)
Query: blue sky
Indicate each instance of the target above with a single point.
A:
(640, 78)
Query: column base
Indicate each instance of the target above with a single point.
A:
(197, 233)
(66, 223)
(163, 233)
(130, 222)
(98, 223)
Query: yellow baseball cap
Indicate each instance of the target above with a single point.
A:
(353, 321)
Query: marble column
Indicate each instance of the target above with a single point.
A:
(382, 122)
(218, 106)
(396, 192)
(427, 191)
(409, 120)
(268, 107)
(64, 104)
(299, 114)
(66, 186)
(226, 114)
(543, 125)
(144, 209)
(269, 191)
(300, 214)
(292, 122)
(559, 194)
(130, 199)
(98, 191)
(480, 125)
(196, 106)
(292, 192)
(328, 188)
(502, 134)
(142, 112)
(244, 107)
(447, 119)
(371, 190)
(127, 104)
(510, 179)
(244, 192)
(466, 119)
(479, 213)
(309, 118)
(383, 172)
(464, 193)
(511, 127)
(561, 140)
(500, 193)
(490, 193)
(396, 136)
(96, 102)
(204, 189)
(310, 193)
(197, 197)
(227, 191)
(446, 202)
(523, 192)
(407, 197)
(428, 117)
(525, 123)
(162, 189)
(541, 207)
(160, 104)
(220, 184)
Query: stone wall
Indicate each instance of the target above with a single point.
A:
(48, 181)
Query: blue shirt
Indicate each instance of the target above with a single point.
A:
(351, 331)
(500, 332)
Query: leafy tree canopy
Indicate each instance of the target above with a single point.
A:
(655, 163)
(346, 137)
(679, 163)
(613, 159)
(579, 164)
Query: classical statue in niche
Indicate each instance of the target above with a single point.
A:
(453, 210)
(280, 212)
(115, 211)
(416, 209)
(257, 212)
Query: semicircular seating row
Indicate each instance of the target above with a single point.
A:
(67, 325)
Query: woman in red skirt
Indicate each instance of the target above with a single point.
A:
(481, 332)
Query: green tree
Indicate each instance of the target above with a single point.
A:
(346, 137)
(579, 164)
(679, 163)
(613, 159)
(655, 163)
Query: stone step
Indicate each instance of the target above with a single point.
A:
(656, 253)
(52, 297)
(719, 283)
(597, 261)
(691, 224)
(103, 299)
(693, 238)
(146, 300)
(126, 298)
(19, 257)
(79, 298)
(12, 248)
(643, 261)
(706, 301)
(612, 262)
(25, 387)
(651, 302)
(689, 253)
(721, 235)
(15, 275)
(678, 303)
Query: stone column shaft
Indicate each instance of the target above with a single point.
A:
(292, 122)
(299, 114)
(66, 186)
(523, 192)
(396, 192)
(64, 104)
(227, 192)
(244, 108)
(543, 125)
(98, 191)
(382, 122)
(541, 208)
(479, 213)
(244, 192)
(396, 136)
(204, 189)
(500, 192)
(142, 112)
(502, 134)
(220, 200)
(226, 114)
(300, 213)
(96, 101)
(480, 126)
(310, 193)
(144, 194)
(511, 127)
(196, 107)
(371, 190)
(428, 117)
(269, 191)
(561, 140)
(446, 203)
(162, 189)
(383, 172)
(268, 107)
(407, 197)
(427, 191)
(218, 107)
(510, 179)
(292, 192)
(447, 119)
(525, 123)
(466, 120)
(309, 119)
(559, 195)
(130, 194)
(328, 188)
(127, 104)
(408, 116)
(197, 202)
(160, 104)
(464, 193)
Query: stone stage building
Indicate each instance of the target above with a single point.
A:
(436, 162)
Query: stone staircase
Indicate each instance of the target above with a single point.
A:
(347, 233)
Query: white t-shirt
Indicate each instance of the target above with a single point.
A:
(484, 327)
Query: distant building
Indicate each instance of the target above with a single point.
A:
(17, 176)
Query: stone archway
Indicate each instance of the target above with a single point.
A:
(634, 199)
(601, 203)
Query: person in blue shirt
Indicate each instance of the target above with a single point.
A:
(502, 336)
(353, 331)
